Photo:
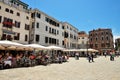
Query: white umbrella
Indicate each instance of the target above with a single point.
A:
(55, 48)
(2, 48)
(36, 46)
(10, 45)
(83, 50)
(70, 50)
(92, 50)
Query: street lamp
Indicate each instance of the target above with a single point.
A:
(87, 45)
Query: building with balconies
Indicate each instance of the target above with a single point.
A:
(117, 44)
(101, 39)
(45, 30)
(14, 21)
(82, 40)
(70, 36)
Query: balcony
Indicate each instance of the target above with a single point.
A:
(8, 24)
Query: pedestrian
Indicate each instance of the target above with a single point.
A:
(89, 57)
(112, 56)
(92, 57)
(105, 54)
(77, 56)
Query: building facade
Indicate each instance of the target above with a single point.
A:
(101, 39)
(70, 36)
(14, 21)
(27, 26)
(82, 40)
(117, 44)
(45, 30)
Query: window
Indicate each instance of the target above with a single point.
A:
(9, 37)
(7, 10)
(75, 37)
(106, 32)
(50, 41)
(57, 32)
(63, 27)
(33, 15)
(96, 45)
(17, 24)
(26, 37)
(62, 42)
(107, 38)
(37, 25)
(17, 36)
(102, 45)
(96, 39)
(46, 19)
(52, 22)
(3, 37)
(53, 31)
(26, 27)
(46, 28)
(58, 25)
(66, 35)
(71, 36)
(108, 44)
(18, 14)
(49, 30)
(57, 42)
(46, 39)
(33, 24)
(11, 11)
(7, 22)
(0, 19)
(38, 15)
(37, 38)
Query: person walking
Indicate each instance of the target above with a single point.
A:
(77, 56)
(89, 57)
(92, 57)
(112, 56)
(105, 54)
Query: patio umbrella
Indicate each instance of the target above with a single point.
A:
(83, 50)
(54, 48)
(92, 50)
(10, 45)
(36, 46)
(71, 50)
(2, 48)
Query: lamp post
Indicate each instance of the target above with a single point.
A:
(87, 45)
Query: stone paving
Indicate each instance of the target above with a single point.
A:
(101, 69)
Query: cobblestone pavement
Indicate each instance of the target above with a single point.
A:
(101, 69)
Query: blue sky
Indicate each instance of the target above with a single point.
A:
(85, 15)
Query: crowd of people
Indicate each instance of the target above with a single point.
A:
(29, 59)
(15, 59)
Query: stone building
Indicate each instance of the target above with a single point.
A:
(101, 39)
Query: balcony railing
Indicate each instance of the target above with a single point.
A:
(8, 24)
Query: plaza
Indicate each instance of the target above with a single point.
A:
(101, 69)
